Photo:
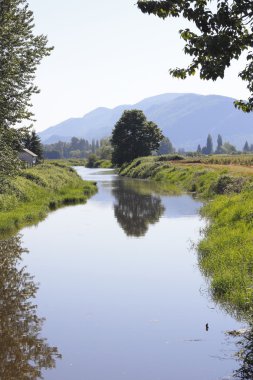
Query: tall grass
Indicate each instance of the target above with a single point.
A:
(200, 179)
(226, 251)
(38, 190)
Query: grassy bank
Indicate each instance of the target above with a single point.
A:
(30, 196)
(97, 163)
(226, 249)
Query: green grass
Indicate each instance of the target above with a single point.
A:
(178, 176)
(38, 190)
(68, 162)
(226, 250)
(245, 159)
(80, 162)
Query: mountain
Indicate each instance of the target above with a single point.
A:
(186, 119)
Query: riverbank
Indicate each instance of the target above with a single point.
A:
(92, 163)
(226, 250)
(30, 196)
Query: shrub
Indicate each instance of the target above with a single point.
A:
(227, 184)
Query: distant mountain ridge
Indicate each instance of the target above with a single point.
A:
(186, 119)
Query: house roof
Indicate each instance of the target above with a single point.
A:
(29, 152)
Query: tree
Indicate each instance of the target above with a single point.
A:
(199, 150)
(74, 143)
(224, 33)
(93, 146)
(208, 149)
(105, 150)
(24, 352)
(246, 147)
(209, 145)
(133, 136)
(219, 144)
(165, 147)
(92, 159)
(20, 53)
(33, 143)
(134, 210)
(228, 148)
(9, 162)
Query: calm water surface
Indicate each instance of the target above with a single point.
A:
(120, 288)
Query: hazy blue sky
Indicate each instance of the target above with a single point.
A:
(108, 53)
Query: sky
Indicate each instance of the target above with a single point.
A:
(108, 53)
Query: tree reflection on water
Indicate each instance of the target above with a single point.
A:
(135, 209)
(245, 355)
(24, 354)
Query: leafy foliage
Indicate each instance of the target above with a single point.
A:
(32, 142)
(227, 184)
(165, 147)
(225, 31)
(133, 136)
(20, 53)
(8, 156)
(91, 162)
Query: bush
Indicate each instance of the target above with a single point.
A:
(170, 157)
(227, 184)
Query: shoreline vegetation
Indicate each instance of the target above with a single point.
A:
(28, 198)
(225, 251)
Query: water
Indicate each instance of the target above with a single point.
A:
(120, 287)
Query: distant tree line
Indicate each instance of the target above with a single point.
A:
(221, 148)
(102, 149)
(78, 148)
(166, 147)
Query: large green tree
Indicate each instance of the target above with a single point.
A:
(224, 32)
(21, 51)
(134, 136)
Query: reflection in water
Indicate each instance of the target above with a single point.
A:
(245, 355)
(134, 210)
(23, 353)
